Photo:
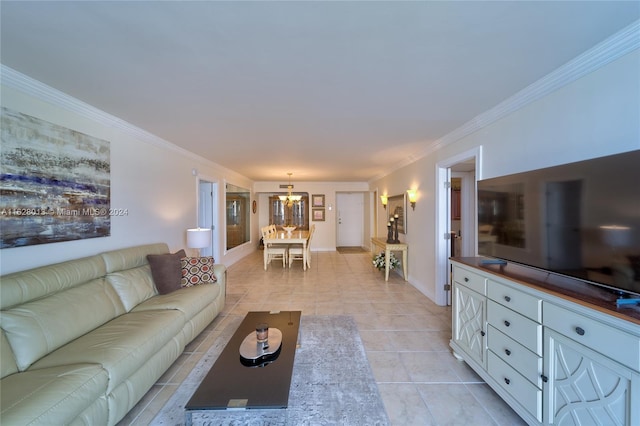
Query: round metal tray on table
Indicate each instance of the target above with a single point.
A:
(255, 354)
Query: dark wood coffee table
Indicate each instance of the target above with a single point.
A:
(231, 385)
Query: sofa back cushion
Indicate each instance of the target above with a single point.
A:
(33, 284)
(39, 327)
(129, 273)
(7, 361)
(132, 257)
(133, 286)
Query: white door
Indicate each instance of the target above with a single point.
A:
(442, 271)
(466, 238)
(350, 210)
(207, 215)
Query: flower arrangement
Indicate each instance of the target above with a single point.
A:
(378, 261)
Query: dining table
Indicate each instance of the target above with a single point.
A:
(293, 237)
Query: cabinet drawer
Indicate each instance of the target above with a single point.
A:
(525, 304)
(471, 280)
(528, 333)
(517, 356)
(528, 395)
(617, 345)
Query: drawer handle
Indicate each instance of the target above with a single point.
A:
(507, 298)
(507, 381)
(507, 351)
(466, 280)
(580, 331)
(507, 323)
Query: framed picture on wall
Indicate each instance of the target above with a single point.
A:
(397, 209)
(55, 161)
(318, 215)
(317, 200)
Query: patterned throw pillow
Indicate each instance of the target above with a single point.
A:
(197, 270)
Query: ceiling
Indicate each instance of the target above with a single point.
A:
(330, 91)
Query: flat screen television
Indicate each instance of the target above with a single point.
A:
(580, 220)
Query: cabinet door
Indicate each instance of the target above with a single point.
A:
(585, 387)
(469, 322)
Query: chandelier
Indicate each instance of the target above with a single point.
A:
(290, 199)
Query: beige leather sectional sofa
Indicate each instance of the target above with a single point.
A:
(82, 341)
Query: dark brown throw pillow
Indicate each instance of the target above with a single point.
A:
(166, 271)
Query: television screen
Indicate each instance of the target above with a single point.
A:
(580, 219)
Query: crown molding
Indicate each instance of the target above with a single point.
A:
(603, 53)
(18, 81)
(612, 48)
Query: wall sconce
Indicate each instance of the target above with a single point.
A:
(198, 238)
(384, 200)
(413, 196)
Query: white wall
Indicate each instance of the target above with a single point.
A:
(324, 238)
(596, 115)
(153, 180)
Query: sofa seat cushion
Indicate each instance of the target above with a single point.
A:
(54, 395)
(122, 345)
(189, 300)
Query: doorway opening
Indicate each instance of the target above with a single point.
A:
(456, 218)
(208, 215)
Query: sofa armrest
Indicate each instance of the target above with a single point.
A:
(220, 271)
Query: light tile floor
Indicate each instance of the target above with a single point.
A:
(405, 334)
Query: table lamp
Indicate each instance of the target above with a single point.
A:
(198, 238)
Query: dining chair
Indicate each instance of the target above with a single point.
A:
(273, 251)
(296, 250)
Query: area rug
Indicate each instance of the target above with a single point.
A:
(332, 383)
(349, 250)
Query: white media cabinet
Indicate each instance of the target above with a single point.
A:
(556, 349)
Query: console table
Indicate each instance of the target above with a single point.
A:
(557, 350)
(388, 248)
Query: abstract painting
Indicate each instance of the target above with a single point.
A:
(54, 183)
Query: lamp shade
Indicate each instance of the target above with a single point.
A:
(198, 238)
(413, 195)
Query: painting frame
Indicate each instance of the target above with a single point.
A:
(317, 215)
(56, 183)
(397, 204)
(317, 200)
